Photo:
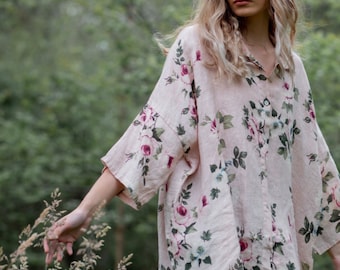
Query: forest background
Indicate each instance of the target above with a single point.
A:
(74, 73)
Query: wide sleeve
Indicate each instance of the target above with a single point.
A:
(329, 227)
(317, 183)
(163, 132)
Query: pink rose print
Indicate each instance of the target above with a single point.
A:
(213, 126)
(198, 55)
(273, 226)
(194, 115)
(185, 70)
(335, 193)
(170, 160)
(243, 245)
(246, 253)
(312, 114)
(286, 86)
(146, 115)
(193, 111)
(254, 129)
(182, 210)
(143, 116)
(182, 215)
(204, 201)
(146, 150)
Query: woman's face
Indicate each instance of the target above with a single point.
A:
(249, 8)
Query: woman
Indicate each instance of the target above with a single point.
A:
(230, 141)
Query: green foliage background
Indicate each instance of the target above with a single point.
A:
(73, 74)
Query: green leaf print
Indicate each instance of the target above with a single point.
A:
(309, 229)
(325, 179)
(262, 77)
(221, 146)
(185, 111)
(179, 50)
(238, 159)
(190, 228)
(284, 150)
(180, 130)
(287, 106)
(296, 93)
(188, 266)
(278, 248)
(213, 168)
(252, 105)
(335, 216)
(290, 266)
(214, 193)
(145, 170)
(250, 81)
(231, 178)
(186, 193)
(337, 228)
(207, 260)
(226, 120)
(156, 133)
(236, 151)
(206, 236)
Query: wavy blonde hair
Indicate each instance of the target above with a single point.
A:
(221, 34)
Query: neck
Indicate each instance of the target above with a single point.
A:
(256, 31)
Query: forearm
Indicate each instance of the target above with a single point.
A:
(334, 253)
(103, 190)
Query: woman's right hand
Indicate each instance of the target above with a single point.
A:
(63, 233)
(66, 230)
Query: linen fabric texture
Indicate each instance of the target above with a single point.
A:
(244, 175)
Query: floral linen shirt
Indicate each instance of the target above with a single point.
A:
(244, 176)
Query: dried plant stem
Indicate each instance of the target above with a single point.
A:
(32, 236)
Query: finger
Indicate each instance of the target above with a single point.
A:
(69, 248)
(60, 253)
(52, 247)
(45, 244)
(48, 258)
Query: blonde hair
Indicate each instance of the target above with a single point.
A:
(220, 34)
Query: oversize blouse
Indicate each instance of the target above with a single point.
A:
(244, 176)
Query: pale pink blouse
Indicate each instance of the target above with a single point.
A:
(244, 176)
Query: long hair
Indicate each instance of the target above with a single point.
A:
(220, 34)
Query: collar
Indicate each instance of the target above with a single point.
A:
(250, 59)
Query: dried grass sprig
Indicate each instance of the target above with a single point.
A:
(32, 236)
(125, 262)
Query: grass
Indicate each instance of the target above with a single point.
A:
(33, 235)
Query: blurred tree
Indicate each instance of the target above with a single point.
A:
(73, 76)
(323, 15)
(73, 73)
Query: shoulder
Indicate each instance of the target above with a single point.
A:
(298, 62)
(301, 79)
(300, 71)
(187, 43)
(189, 36)
(189, 32)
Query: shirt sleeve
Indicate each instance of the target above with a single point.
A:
(163, 132)
(319, 177)
(329, 228)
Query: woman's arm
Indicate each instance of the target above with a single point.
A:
(334, 253)
(103, 190)
(67, 229)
